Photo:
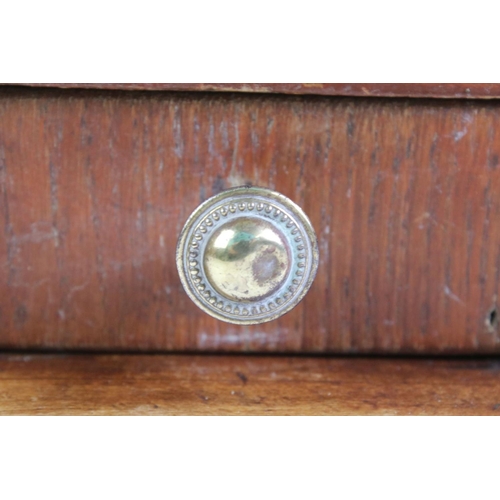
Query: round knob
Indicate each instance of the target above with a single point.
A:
(247, 255)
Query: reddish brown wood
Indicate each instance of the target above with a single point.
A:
(197, 385)
(95, 188)
(439, 90)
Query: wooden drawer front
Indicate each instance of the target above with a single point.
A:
(95, 188)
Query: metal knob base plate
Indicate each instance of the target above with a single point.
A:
(247, 255)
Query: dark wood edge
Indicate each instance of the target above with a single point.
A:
(414, 90)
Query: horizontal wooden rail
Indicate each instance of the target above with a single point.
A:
(222, 385)
(418, 90)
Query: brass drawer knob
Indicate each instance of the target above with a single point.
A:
(247, 255)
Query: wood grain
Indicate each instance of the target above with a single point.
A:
(435, 90)
(242, 385)
(95, 188)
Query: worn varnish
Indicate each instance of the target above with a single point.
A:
(95, 188)
(438, 90)
(213, 385)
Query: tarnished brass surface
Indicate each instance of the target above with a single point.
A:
(247, 255)
(246, 259)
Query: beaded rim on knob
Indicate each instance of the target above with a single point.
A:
(247, 255)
